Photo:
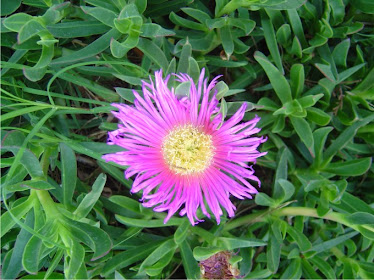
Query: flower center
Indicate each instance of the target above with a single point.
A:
(187, 150)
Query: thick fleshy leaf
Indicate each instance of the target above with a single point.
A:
(181, 232)
(28, 160)
(297, 79)
(227, 41)
(36, 184)
(157, 254)
(77, 254)
(304, 131)
(148, 223)
(277, 80)
(271, 40)
(154, 53)
(15, 263)
(97, 239)
(354, 167)
(33, 253)
(17, 21)
(190, 266)
(128, 257)
(361, 218)
(203, 253)
(68, 172)
(30, 29)
(273, 251)
(91, 198)
(234, 243)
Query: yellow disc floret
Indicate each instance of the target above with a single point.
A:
(187, 150)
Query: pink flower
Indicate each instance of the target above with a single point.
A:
(182, 151)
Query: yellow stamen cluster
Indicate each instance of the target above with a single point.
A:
(187, 150)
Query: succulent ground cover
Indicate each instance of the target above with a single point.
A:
(305, 68)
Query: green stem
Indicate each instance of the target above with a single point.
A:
(41, 135)
(310, 212)
(65, 236)
(44, 197)
(27, 139)
(287, 211)
(247, 220)
(339, 254)
(48, 204)
(41, 105)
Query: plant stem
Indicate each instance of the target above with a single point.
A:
(48, 204)
(339, 254)
(287, 211)
(247, 220)
(309, 212)
(45, 199)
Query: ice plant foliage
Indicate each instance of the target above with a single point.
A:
(184, 154)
